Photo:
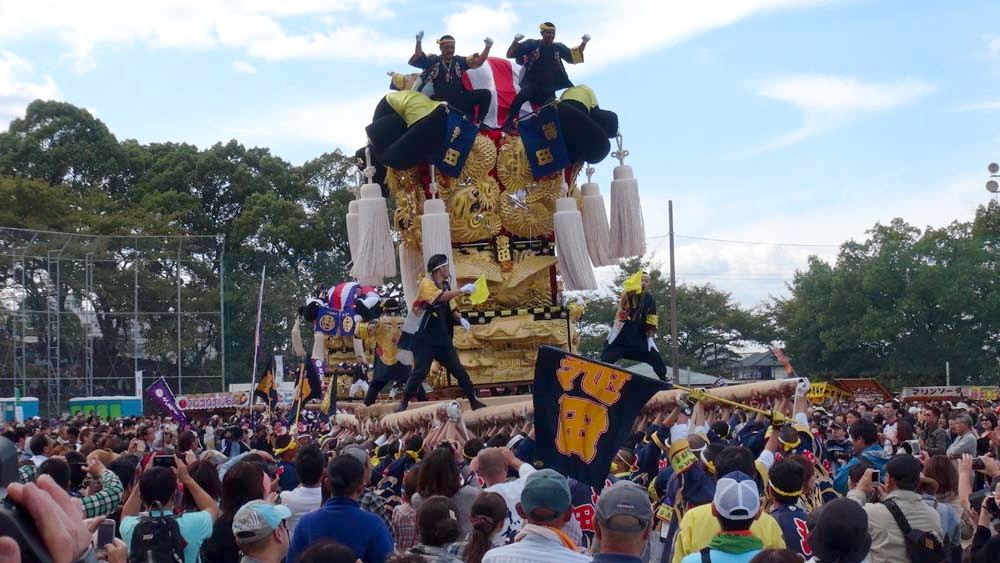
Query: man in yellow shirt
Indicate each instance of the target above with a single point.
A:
(699, 525)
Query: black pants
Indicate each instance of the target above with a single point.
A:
(468, 101)
(447, 356)
(537, 94)
(375, 387)
(616, 351)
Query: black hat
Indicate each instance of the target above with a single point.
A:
(904, 470)
(841, 532)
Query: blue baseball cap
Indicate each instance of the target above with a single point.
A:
(257, 519)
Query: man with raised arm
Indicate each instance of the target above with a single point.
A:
(543, 71)
(442, 74)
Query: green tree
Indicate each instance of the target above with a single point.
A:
(66, 172)
(900, 304)
(711, 327)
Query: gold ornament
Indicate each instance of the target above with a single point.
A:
(409, 203)
(512, 164)
(472, 205)
(482, 158)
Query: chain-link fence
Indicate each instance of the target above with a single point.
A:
(81, 314)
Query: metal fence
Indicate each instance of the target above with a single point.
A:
(82, 313)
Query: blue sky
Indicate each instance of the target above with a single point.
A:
(788, 121)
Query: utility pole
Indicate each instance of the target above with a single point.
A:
(674, 355)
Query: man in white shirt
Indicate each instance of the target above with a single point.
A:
(40, 447)
(491, 464)
(546, 506)
(308, 496)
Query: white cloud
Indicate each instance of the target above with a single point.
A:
(993, 46)
(829, 101)
(830, 216)
(16, 91)
(628, 28)
(332, 29)
(253, 26)
(244, 67)
(989, 105)
(476, 22)
(333, 123)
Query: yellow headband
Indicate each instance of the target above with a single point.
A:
(291, 446)
(445, 41)
(790, 445)
(784, 493)
(546, 27)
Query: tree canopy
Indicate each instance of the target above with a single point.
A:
(62, 170)
(712, 330)
(899, 304)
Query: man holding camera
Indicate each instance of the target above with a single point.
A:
(156, 490)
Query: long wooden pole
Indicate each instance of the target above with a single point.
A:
(674, 353)
(257, 338)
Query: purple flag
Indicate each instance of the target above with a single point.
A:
(160, 392)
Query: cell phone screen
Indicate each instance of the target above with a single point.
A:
(876, 476)
(106, 533)
(163, 461)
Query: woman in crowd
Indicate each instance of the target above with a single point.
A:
(244, 482)
(437, 527)
(943, 471)
(439, 475)
(489, 513)
(207, 477)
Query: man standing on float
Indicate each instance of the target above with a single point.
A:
(433, 337)
(441, 78)
(631, 336)
(543, 71)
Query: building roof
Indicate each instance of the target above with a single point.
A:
(686, 377)
(760, 359)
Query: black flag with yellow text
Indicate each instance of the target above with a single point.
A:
(266, 391)
(596, 406)
(307, 388)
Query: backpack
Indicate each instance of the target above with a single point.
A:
(157, 539)
(921, 547)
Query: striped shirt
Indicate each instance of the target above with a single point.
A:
(534, 549)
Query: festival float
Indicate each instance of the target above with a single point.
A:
(517, 212)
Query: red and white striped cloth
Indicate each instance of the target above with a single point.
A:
(502, 78)
(342, 296)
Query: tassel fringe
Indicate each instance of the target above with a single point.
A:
(628, 233)
(595, 226)
(571, 247)
(436, 230)
(376, 258)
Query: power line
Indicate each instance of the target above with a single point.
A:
(746, 241)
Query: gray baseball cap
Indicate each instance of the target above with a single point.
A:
(624, 498)
(257, 519)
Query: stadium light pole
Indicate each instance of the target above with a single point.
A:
(991, 185)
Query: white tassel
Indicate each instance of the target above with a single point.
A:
(595, 225)
(319, 346)
(352, 228)
(435, 226)
(571, 247)
(410, 266)
(376, 257)
(298, 347)
(628, 233)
